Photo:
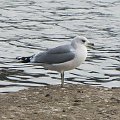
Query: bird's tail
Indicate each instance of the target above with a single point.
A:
(24, 59)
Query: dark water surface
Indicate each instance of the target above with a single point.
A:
(31, 26)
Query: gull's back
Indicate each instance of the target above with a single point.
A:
(56, 55)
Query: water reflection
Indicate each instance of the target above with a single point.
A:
(28, 27)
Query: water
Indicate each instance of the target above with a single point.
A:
(28, 27)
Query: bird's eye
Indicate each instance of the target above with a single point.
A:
(83, 41)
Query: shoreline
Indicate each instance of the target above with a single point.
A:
(73, 102)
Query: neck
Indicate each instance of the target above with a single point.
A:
(76, 45)
(81, 51)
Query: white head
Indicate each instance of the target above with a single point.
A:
(79, 40)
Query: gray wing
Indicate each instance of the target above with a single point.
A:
(56, 55)
(60, 49)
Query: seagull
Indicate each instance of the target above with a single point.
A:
(61, 58)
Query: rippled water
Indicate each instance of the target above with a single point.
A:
(28, 27)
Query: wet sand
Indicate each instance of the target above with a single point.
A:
(73, 102)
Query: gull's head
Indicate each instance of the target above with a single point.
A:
(81, 40)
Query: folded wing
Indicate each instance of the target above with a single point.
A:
(56, 55)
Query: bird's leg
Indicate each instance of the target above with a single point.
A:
(62, 79)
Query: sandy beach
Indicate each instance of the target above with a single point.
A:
(73, 102)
